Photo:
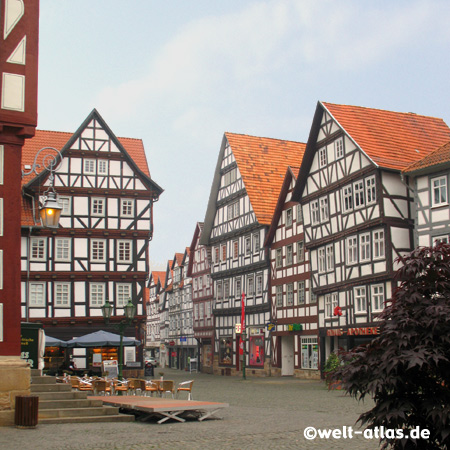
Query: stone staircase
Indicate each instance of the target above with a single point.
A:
(59, 404)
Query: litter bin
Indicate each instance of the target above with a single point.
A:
(27, 407)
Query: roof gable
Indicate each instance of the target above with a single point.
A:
(431, 162)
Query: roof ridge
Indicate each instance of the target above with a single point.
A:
(262, 137)
(71, 134)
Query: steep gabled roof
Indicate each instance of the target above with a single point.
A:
(197, 233)
(431, 162)
(157, 276)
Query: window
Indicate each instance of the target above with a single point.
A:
(289, 255)
(364, 247)
(233, 210)
(313, 296)
(63, 249)
(229, 177)
(98, 206)
(440, 240)
(256, 350)
(219, 291)
(301, 251)
(439, 191)
(259, 282)
(123, 294)
(279, 296)
(66, 204)
(250, 286)
(310, 353)
(358, 194)
(235, 249)
(38, 249)
(126, 207)
(378, 244)
(289, 217)
(352, 250)
(279, 257)
(329, 257)
(334, 300)
(97, 294)
(328, 306)
(315, 219)
(256, 247)
(223, 249)
(226, 351)
(98, 250)
(226, 290)
(377, 297)
(360, 299)
(238, 287)
(321, 259)
(89, 167)
(301, 292)
(102, 167)
(37, 294)
(248, 245)
(371, 193)
(339, 148)
(323, 157)
(62, 295)
(299, 214)
(347, 199)
(290, 294)
(324, 213)
(216, 255)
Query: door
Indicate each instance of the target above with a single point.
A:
(287, 356)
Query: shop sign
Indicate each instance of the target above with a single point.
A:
(174, 354)
(270, 327)
(256, 331)
(295, 327)
(183, 339)
(363, 331)
(172, 343)
(237, 328)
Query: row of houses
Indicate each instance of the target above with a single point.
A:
(310, 233)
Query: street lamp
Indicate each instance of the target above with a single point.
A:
(50, 211)
(130, 312)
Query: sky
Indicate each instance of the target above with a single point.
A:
(178, 74)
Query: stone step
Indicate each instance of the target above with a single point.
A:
(74, 403)
(43, 380)
(78, 412)
(88, 419)
(57, 387)
(61, 395)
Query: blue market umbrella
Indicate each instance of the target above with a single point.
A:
(54, 342)
(101, 339)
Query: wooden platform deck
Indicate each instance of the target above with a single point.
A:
(166, 408)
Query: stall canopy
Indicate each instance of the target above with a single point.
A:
(101, 339)
(53, 342)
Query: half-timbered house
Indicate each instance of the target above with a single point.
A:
(357, 211)
(429, 181)
(164, 322)
(153, 339)
(247, 181)
(100, 250)
(202, 298)
(294, 315)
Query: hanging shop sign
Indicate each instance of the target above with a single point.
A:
(294, 327)
(270, 326)
(362, 331)
(172, 343)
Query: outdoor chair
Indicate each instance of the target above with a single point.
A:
(136, 387)
(166, 387)
(101, 387)
(120, 386)
(85, 385)
(186, 386)
(75, 382)
(151, 387)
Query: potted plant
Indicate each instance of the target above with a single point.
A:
(331, 364)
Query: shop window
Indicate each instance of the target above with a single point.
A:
(226, 351)
(310, 353)
(256, 350)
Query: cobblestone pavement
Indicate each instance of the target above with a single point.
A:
(264, 413)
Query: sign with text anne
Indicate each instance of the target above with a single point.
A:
(363, 331)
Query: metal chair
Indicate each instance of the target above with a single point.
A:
(120, 386)
(186, 386)
(167, 387)
(151, 387)
(101, 386)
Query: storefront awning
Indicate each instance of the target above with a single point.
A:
(102, 339)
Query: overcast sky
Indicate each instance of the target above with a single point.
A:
(178, 74)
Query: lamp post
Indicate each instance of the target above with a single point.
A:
(130, 312)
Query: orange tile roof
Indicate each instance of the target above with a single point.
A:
(158, 276)
(392, 140)
(439, 156)
(262, 163)
(179, 258)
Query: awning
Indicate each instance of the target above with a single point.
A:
(102, 339)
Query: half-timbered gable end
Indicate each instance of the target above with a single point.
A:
(357, 210)
(164, 314)
(100, 250)
(245, 189)
(429, 180)
(153, 317)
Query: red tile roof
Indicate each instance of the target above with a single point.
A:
(158, 276)
(440, 156)
(262, 163)
(392, 140)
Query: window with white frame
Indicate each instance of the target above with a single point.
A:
(364, 247)
(98, 207)
(358, 194)
(290, 294)
(378, 244)
(123, 294)
(96, 294)
(98, 250)
(223, 252)
(377, 297)
(352, 250)
(323, 157)
(238, 289)
(310, 353)
(66, 204)
(339, 148)
(63, 249)
(328, 307)
(216, 255)
(248, 245)
(289, 255)
(235, 249)
(444, 239)
(250, 286)
(229, 177)
(279, 258)
(62, 295)
(334, 300)
(37, 294)
(126, 207)
(321, 264)
(371, 192)
(299, 214)
(89, 166)
(259, 284)
(279, 296)
(312, 296)
(226, 290)
(347, 199)
(38, 249)
(315, 217)
(324, 212)
(256, 246)
(301, 251)
(289, 217)
(360, 300)
(301, 292)
(102, 167)
(439, 191)
(329, 250)
(233, 210)
(219, 294)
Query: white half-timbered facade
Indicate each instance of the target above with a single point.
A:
(429, 179)
(202, 298)
(100, 250)
(152, 337)
(358, 212)
(164, 315)
(294, 312)
(245, 188)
